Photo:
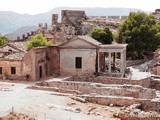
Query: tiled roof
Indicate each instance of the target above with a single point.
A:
(19, 45)
(13, 51)
(90, 39)
(14, 56)
(8, 48)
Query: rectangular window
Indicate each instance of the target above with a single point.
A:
(0, 70)
(13, 70)
(78, 62)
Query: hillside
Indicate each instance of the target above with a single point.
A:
(11, 21)
(20, 31)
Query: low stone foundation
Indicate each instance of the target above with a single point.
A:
(105, 91)
(106, 80)
(147, 104)
(134, 62)
(104, 94)
(101, 89)
(155, 84)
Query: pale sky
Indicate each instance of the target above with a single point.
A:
(40, 6)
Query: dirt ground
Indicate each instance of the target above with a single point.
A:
(44, 105)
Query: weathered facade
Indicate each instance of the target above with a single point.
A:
(17, 63)
(42, 62)
(156, 14)
(78, 57)
(83, 57)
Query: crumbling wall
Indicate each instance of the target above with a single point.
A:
(105, 90)
(47, 57)
(54, 59)
(28, 66)
(54, 19)
(72, 17)
(155, 84)
(72, 22)
(147, 105)
(6, 69)
(146, 82)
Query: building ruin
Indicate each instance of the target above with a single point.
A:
(97, 71)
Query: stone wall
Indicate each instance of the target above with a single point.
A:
(29, 67)
(147, 105)
(72, 22)
(72, 17)
(155, 84)
(134, 62)
(48, 58)
(41, 59)
(105, 90)
(6, 69)
(54, 60)
(106, 80)
(118, 95)
(67, 62)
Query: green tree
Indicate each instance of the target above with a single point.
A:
(141, 32)
(116, 37)
(103, 35)
(37, 41)
(3, 40)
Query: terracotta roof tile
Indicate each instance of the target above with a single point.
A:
(14, 56)
(13, 51)
(19, 45)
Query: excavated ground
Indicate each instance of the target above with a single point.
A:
(49, 105)
(107, 94)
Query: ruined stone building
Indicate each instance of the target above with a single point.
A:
(156, 14)
(80, 56)
(84, 56)
(73, 22)
(17, 63)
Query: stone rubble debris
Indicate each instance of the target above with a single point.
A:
(82, 100)
(134, 112)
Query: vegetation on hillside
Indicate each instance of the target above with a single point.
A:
(103, 35)
(3, 40)
(142, 34)
(37, 41)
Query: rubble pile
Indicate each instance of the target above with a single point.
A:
(16, 116)
(135, 112)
